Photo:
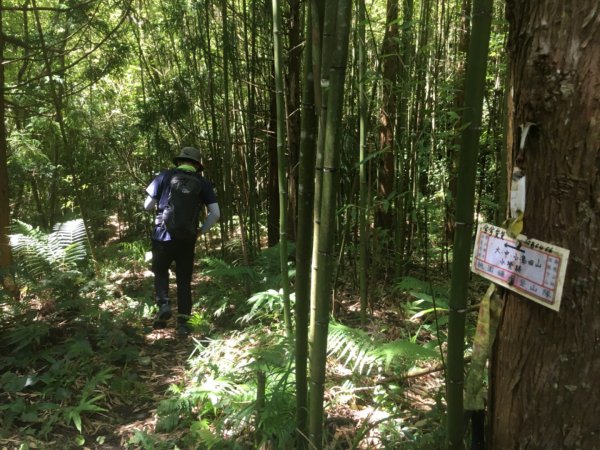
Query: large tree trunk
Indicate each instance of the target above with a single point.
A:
(5, 255)
(546, 366)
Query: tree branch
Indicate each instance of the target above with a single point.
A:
(47, 8)
(14, 41)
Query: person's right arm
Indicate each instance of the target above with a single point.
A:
(153, 192)
(149, 203)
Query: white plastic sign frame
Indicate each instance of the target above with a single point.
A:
(531, 268)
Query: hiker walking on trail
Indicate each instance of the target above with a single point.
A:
(178, 195)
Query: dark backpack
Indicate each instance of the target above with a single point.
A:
(181, 215)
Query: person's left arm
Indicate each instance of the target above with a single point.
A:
(213, 215)
(209, 198)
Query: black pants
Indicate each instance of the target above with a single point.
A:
(163, 254)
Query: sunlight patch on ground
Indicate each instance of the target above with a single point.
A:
(159, 335)
(419, 392)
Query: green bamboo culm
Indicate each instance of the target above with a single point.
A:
(306, 187)
(323, 27)
(362, 139)
(227, 224)
(320, 88)
(250, 160)
(318, 354)
(281, 165)
(474, 91)
(322, 31)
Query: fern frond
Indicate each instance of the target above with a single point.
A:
(423, 289)
(220, 269)
(33, 253)
(24, 335)
(68, 233)
(68, 242)
(402, 349)
(265, 305)
(362, 353)
(41, 254)
(25, 229)
(224, 387)
(167, 423)
(277, 418)
(204, 435)
(411, 284)
(269, 257)
(218, 391)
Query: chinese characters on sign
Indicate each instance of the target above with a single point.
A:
(529, 267)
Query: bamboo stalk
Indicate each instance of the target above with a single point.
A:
(341, 12)
(281, 166)
(306, 174)
(474, 90)
(362, 67)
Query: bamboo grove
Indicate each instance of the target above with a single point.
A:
(332, 128)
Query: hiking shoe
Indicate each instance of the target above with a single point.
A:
(183, 330)
(164, 314)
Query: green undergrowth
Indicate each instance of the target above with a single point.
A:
(65, 353)
(239, 388)
(75, 341)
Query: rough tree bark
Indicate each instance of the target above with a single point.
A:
(546, 366)
(5, 255)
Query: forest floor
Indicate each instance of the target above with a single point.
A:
(163, 361)
(166, 357)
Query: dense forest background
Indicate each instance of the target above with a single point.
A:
(332, 132)
(101, 95)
